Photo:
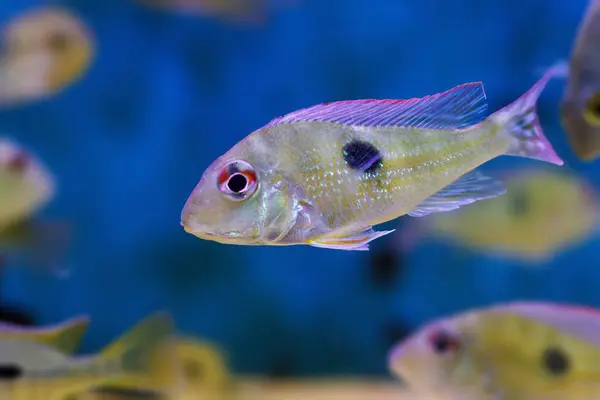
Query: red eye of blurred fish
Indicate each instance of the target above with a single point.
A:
(442, 342)
(237, 180)
(17, 163)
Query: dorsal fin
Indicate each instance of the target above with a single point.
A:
(581, 322)
(456, 108)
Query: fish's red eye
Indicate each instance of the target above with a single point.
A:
(238, 180)
(443, 342)
(18, 162)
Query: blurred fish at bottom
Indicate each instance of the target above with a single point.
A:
(32, 371)
(43, 50)
(200, 366)
(543, 213)
(26, 186)
(64, 337)
(580, 104)
(513, 351)
(236, 11)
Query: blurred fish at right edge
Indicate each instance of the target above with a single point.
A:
(544, 212)
(580, 105)
(511, 351)
(31, 371)
(26, 185)
(242, 11)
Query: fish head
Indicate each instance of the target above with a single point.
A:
(580, 114)
(242, 199)
(25, 183)
(432, 359)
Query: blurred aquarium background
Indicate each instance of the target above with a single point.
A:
(167, 92)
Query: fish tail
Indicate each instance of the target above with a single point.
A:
(519, 121)
(136, 355)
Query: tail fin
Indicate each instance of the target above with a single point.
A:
(520, 122)
(136, 353)
(65, 337)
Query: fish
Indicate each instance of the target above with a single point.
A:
(32, 370)
(325, 175)
(44, 50)
(517, 350)
(544, 213)
(64, 337)
(580, 103)
(234, 11)
(200, 366)
(26, 187)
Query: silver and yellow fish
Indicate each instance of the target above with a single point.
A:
(64, 337)
(514, 351)
(580, 105)
(324, 175)
(31, 370)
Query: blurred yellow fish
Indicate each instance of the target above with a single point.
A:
(201, 368)
(514, 351)
(543, 213)
(26, 185)
(243, 11)
(64, 337)
(580, 105)
(323, 176)
(43, 50)
(32, 371)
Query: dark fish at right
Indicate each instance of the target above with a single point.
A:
(580, 105)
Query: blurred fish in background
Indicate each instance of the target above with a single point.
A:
(235, 11)
(544, 212)
(516, 351)
(43, 50)
(580, 105)
(64, 337)
(33, 370)
(26, 186)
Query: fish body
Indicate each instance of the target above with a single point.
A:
(544, 212)
(513, 351)
(45, 371)
(325, 175)
(26, 184)
(580, 105)
(64, 337)
(43, 51)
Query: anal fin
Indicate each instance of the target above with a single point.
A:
(467, 189)
(356, 241)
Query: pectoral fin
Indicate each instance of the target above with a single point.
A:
(356, 241)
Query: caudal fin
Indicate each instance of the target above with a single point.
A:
(520, 122)
(135, 353)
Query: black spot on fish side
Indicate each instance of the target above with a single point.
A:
(9, 372)
(362, 156)
(555, 361)
(519, 203)
(16, 315)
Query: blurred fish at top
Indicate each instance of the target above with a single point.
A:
(580, 105)
(324, 175)
(27, 185)
(543, 213)
(237, 11)
(45, 373)
(42, 51)
(513, 351)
